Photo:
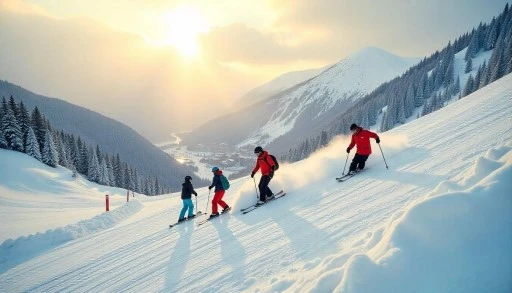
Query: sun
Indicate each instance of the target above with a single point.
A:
(184, 26)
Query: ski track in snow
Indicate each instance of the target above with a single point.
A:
(324, 236)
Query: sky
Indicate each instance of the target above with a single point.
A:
(162, 66)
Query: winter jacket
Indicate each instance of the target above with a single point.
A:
(216, 181)
(265, 163)
(362, 140)
(187, 190)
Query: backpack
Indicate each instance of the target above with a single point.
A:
(225, 182)
(275, 161)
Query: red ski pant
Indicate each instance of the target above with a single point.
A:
(217, 200)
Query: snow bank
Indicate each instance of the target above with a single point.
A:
(16, 251)
(456, 242)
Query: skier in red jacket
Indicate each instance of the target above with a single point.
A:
(267, 167)
(361, 139)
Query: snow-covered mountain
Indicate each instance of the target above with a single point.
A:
(275, 86)
(306, 108)
(439, 220)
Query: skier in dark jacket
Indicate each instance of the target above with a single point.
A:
(219, 193)
(361, 139)
(186, 195)
(267, 167)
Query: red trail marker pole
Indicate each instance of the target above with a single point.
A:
(106, 203)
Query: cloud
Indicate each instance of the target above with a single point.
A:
(22, 7)
(402, 27)
(117, 74)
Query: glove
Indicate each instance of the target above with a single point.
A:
(377, 140)
(196, 194)
(348, 150)
(210, 187)
(271, 174)
(252, 175)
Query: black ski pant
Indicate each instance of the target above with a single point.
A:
(358, 162)
(263, 187)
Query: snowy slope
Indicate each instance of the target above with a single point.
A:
(35, 197)
(439, 220)
(349, 79)
(276, 85)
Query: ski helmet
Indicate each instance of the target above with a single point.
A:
(353, 127)
(258, 149)
(215, 169)
(188, 178)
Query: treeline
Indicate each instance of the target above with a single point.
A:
(427, 86)
(34, 135)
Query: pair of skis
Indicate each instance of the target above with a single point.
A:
(348, 176)
(211, 218)
(199, 213)
(253, 207)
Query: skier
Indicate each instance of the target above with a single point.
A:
(219, 193)
(267, 167)
(186, 195)
(360, 138)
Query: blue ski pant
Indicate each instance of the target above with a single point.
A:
(187, 205)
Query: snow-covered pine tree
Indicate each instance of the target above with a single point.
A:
(32, 146)
(473, 46)
(468, 89)
(12, 105)
(93, 171)
(24, 122)
(456, 86)
(49, 155)
(104, 180)
(3, 142)
(38, 125)
(409, 101)
(111, 177)
(492, 36)
(469, 65)
(158, 191)
(12, 132)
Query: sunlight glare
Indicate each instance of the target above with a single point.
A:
(185, 24)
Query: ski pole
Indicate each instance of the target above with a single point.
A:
(206, 210)
(343, 173)
(387, 167)
(197, 207)
(255, 189)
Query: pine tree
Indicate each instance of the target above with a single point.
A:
(32, 146)
(158, 191)
(469, 65)
(49, 156)
(473, 46)
(93, 172)
(24, 122)
(12, 132)
(3, 142)
(38, 124)
(492, 36)
(456, 86)
(468, 89)
(12, 105)
(324, 140)
(409, 101)
(499, 67)
(104, 180)
(111, 177)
